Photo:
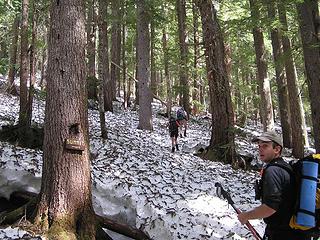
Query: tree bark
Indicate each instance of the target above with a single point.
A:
(222, 134)
(166, 70)
(195, 91)
(283, 97)
(264, 83)
(143, 55)
(24, 66)
(11, 89)
(33, 62)
(64, 205)
(91, 50)
(107, 85)
(153, 85)
(115, 47)
(308, 12)
(124, 65)
(43, 66)
(103, 59)
(183, 64)
(296, 108)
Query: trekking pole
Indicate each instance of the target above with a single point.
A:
(226, 195)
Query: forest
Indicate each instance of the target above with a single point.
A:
(231, 65)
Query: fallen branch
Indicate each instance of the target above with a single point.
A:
(122, 228)
(17, 214)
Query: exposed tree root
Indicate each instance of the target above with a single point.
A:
(26, 211)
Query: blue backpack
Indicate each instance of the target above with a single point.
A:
(306, 172)
(181, 114)
(307, 209)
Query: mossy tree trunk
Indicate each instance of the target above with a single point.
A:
(64, 205)
(222, 134)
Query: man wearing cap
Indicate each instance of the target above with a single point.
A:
(276, 191)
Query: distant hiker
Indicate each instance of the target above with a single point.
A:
(174, 131)
(182, 118)
(276, 189)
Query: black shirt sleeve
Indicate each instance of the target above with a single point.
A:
(273, 185)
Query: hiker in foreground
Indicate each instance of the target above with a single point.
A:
(174, 131)
(276, 189)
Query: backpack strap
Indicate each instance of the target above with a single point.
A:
(284, 166)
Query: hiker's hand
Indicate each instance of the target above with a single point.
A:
(243, 217)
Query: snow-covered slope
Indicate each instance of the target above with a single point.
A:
(138, 181)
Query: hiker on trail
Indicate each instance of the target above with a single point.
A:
(182, 118)
(276, 191)
(174, 131)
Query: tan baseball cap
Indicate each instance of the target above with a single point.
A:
(269, 136)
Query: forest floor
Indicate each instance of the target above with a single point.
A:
(139, 182)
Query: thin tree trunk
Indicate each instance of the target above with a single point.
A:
(308, 12)
(124, 66)
(108, 87)
(283, 98)
(129, 79)
(183, 65)
(103, 59)
(64, 205)
(166, 70)
(43, 64)
(32, 65)
(264, 83)
(153, 85)
(296, 112)
(222, 136)
(115, 46)
(195, 92)
(143, 53)
(137, 72)
(24, 66)
(11, 89)
(91, 50)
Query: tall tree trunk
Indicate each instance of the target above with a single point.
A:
(43, 64)
(264, 83)
(24, 66)
(308, 12)
(143, 53)
(153, 85)
(115, 46)
(222, 136)
(283, 98)
(129, 79)
(11, 89)
(33, 62)
(91, 50)
(65, 204)
(166, 70)
(137, 71)
(296, 108)
(108, 89)
(124, 66)
(183, 65)
(202, 92)
(195, 91)
(103, 59)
